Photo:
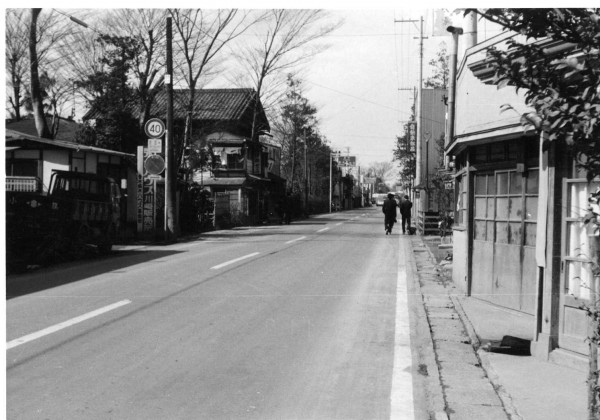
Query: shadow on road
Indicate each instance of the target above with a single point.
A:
(49, 277)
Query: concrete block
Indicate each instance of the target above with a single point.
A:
(470, 412)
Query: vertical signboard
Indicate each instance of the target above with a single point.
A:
(139, 188)
(146, 194)
(412, 137)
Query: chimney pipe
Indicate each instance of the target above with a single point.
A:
(455, 31)
(470, 30)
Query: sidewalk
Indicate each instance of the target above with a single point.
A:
(480, 384)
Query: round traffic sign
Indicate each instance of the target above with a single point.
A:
(154, 128)
(154, 164)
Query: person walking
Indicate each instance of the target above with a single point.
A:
(405, 211)
(389, 211)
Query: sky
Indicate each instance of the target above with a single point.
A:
(356, 83)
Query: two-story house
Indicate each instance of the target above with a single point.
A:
(243, 176)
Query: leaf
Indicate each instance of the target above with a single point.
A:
(585, 92)
(503, 83)
(569, 139)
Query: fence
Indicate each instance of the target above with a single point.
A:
(427, 223)
(23, 183)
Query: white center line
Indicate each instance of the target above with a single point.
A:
(337, 224)
(322, 230)
(216, 267)
(58, 327)
(297, 239)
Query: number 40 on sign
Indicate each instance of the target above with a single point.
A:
(154, 128)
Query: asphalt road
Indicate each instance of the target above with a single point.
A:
(272, 322)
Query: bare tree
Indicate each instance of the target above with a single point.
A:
(287, 39)
(148, 27)
(38, 36)
(382, 170)
(202, 38)
(81, 56)
(16, 55)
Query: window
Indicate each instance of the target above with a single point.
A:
(22, 167)
(483, 223)
(577, 253)
(106, 169)
(461, 200)
(235, 161)
(505, 208)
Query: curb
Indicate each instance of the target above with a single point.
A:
(433, 383)
(484, 359)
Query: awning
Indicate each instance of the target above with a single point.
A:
(257, 178)
(216, 182)
(490, 135)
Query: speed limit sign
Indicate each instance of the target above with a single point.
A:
(154, 128)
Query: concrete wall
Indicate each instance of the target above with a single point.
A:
(53, 159)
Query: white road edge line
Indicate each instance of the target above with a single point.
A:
(297, 239)
(33, 336)
(322, 230)
(402, 405)
(216, 267)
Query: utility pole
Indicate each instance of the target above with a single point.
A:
(170, 170)
(419, 108)
(331, 153)
(305, 173)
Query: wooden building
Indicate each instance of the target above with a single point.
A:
(518, 238)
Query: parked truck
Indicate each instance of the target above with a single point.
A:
(78, 210)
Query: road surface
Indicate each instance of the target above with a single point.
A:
(300, 321)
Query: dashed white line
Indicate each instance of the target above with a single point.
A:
(341, 223)
(322, 230)
(216, 267)
(33, 336)
(297, 239)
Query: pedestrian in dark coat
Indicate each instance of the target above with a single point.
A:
(287, 209)
(405, 212)
(389, 211)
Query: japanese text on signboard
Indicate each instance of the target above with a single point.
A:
(347, 161)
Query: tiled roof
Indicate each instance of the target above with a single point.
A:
(66, 128)
(209, 105)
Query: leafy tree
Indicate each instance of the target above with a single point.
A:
(115, 126)
(295, 124)
(441, 69)
(299, 124)
(406, 158)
